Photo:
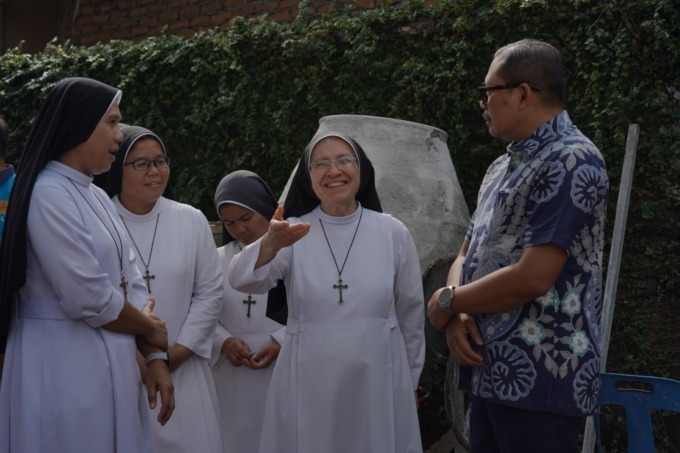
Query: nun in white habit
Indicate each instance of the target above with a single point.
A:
(246, 341)
(72, 302)
(354, 346)
(176, 254)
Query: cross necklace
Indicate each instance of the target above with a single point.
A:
(249, 301)
(147, 275)
(340, 286)
(119, 250)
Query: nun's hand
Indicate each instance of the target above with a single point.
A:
(280, 234)
(236, 351)
(264, 357)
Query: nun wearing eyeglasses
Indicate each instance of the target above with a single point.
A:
(72, 304)
(175, 252)
(354, 346)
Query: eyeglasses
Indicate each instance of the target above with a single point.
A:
(484, 91)
(342, 163)
(145, 164)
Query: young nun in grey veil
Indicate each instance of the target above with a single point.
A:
(72, 303)
(246, 342)
(354, 347)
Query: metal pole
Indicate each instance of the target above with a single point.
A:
(609, 296)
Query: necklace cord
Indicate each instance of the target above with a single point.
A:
(340, 269)
(119, 251)
(153, 241)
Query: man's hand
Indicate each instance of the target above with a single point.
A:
(459, 332)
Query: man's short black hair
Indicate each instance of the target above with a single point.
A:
(535, 62)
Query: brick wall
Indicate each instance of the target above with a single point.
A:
(101, 20)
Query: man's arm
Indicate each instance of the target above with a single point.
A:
(453, 278)
(531, 277)
(438, 317)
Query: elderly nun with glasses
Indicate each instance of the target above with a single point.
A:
(354, 346)
(175, 251)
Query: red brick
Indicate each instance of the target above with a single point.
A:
(198, 22)
(280, 16)
(168, 16)
(147, 20)
(109, 27)
(139, 30)
(189, 11)
(87, 30)
(220, 18)
(101, 19)
(178, 25)
(285, 4)
(210, 7)
(155, 7)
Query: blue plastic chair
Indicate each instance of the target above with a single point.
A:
(639, 395)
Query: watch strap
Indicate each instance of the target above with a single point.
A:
(157, 356)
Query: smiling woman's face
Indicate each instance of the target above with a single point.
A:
(337, 185)
(141, 189)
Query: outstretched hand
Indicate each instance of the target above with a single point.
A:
(283, 234)
(279, 235)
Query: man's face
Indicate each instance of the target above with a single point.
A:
(500, 113)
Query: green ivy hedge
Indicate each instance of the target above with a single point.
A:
(251, 97)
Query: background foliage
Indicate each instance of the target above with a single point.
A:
(251, 97)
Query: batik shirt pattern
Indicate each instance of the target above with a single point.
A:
(549, 188)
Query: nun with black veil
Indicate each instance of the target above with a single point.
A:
(354, 346)
(246, 342)
(73, 306)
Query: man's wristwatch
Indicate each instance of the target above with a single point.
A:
(446, 297)
(157, 356)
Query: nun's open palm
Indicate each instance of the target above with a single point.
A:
(280, 234)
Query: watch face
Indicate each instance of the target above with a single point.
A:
(445, 296)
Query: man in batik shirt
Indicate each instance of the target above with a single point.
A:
(522, 307)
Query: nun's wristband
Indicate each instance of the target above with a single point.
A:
(158, 356)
